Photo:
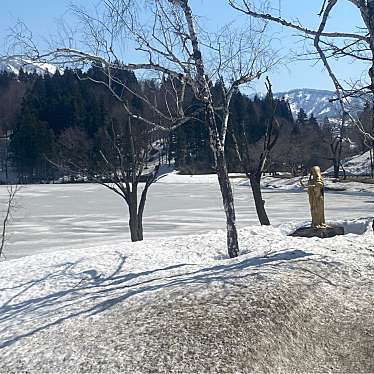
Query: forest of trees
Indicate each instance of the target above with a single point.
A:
(40, 114)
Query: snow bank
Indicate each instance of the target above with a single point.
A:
(180, 304)
(357, 165)
(294, 185)
(175, 178)
(267, 182)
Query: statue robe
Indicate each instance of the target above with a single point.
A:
(316, 201)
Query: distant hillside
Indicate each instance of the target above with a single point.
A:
(316, 102)
(357, 165)
(14, 65)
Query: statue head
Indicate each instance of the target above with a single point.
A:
(315, 172)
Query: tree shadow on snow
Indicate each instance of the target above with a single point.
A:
(99, 293)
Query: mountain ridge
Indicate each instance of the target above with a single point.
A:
(15, 64)
(317, 102)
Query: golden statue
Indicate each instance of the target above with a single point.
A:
(316, 198)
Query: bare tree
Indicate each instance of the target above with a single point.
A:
(368, 124)
(357, 45)
(9, 208)
(173, 47)
(336, 140)
(116, 159)
(255, 168)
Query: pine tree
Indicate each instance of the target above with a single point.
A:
(30, 145)
(301, 117)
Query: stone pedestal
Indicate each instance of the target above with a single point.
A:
(326, 232)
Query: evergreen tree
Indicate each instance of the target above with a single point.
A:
(312, 121)
(31, 143)
(301, 117)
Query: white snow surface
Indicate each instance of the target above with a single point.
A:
(356, 165)
(294, 184)
(269, 183)
(176, 178)
(15, 64)
(50, 296)
(55, 217)
(110, 305)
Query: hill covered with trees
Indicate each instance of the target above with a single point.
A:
(40, 114)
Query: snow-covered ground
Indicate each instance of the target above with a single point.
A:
(57, 217)
(131, 307)
(175, 302)
(357, 165)
(294, 184)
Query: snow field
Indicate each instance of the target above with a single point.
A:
(356, 165)
(58, 217)
(94, 302)
(180, 305)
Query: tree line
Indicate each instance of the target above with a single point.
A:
(47, 111)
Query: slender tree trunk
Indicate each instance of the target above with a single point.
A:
(225, 186)
(370, 25)
(228, 204)
(259, 202)
(217, 144)
(336, 168)
(255, 179)
(336, 151)
(343, 170)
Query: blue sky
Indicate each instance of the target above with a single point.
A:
(42, 17)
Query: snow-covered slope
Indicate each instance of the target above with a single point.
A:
(357, 165)
(15, 64)
(316, 102)
(285, 304)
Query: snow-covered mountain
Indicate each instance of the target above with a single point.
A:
(14, 65)
(316, 102)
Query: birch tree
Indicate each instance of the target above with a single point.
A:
(171, 46)
(10, 206)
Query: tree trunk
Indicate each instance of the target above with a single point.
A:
(259, 202)
(218, 148)
(343, 170)
(217, 144)
(135, 220)
(136, 226)
(336, 169)
(228, 203)
(370, 24)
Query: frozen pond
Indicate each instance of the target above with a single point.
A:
(52, 217)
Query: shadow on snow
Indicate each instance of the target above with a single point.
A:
(102, 293)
